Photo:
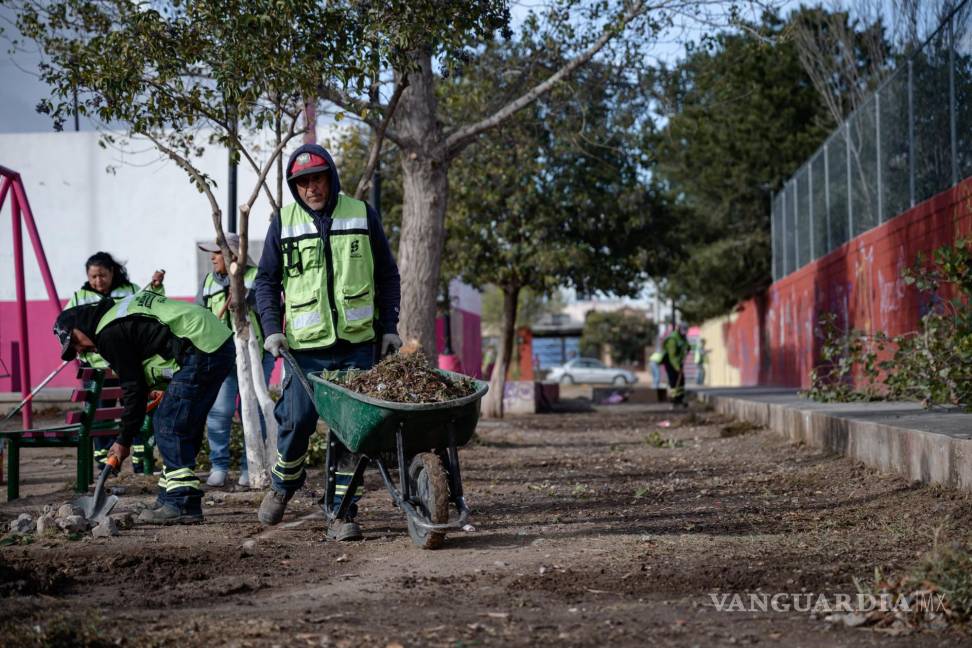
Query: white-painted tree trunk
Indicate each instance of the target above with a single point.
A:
(263, 396)
(256, 454)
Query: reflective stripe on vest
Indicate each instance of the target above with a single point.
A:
(329, 293)
(186, 321)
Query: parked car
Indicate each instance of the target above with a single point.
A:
(589, 370)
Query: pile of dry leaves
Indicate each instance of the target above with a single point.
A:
(406, 379)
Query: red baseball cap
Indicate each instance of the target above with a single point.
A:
(306, 164)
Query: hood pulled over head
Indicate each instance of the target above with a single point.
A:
(332, 174)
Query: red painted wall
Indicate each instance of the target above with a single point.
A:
(773, 340)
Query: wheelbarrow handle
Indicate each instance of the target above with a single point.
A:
(295, 368)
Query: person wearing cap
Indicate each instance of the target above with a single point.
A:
(676, 348)
(149, 340)
(328, 255)
(108, 279)
(214, 295)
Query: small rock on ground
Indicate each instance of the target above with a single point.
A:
(73, 524)
(46, 523)
(23, 525)
(105, 529)
(67, 510)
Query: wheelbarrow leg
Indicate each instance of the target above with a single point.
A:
(402, 467)
(356, 480)
(330, 482)
(451, 459)
(452, 464)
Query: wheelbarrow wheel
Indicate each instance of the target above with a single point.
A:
(429, 487)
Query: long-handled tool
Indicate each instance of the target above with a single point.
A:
(298, 373)
(97, 507)
(33, 393)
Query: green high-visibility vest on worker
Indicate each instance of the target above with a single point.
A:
(215, 295)
(186, 321)
(84, 296)
(329, 290)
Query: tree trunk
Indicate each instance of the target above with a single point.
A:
(425, 184)
(256, 456)
(493, 401)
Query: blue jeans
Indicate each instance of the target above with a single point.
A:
(297, 417)
(220, 419)
(180, 419)
(655, 374)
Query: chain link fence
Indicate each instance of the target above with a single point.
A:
(909, 141)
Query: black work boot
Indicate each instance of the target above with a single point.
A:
(343, 530)
(170, 514)
(272, 507)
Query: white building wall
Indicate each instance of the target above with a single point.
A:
(146, 213)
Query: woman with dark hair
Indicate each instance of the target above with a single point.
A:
(108, 279)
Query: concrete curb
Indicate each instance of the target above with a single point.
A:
(927, 446)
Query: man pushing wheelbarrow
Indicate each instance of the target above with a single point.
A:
(328, 255)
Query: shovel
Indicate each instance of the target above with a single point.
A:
(97, 507)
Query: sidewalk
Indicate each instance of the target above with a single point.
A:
(932, 446)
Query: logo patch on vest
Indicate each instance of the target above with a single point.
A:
(355, 254)
(146, 298)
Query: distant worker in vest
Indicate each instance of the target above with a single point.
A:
(108, 279)
(676, 348)
(700, 353)
(328, 255)
(654, 363)
(153, 342)
(214, 295)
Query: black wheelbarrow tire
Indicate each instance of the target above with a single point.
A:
(429, 486)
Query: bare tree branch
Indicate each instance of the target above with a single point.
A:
(378, 138)
(359, 107)
(200, 180)
(292, 132)
(459, 139)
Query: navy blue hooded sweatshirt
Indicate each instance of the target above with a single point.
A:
(269, 286)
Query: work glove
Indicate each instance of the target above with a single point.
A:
(390, 343)
(276, 343)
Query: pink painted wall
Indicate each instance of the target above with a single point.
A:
(44, 350)
(773, 339)
(467, 341)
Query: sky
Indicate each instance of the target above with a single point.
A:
(21, 89)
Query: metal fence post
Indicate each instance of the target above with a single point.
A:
(911, 133)
(850, 186)
(773, 240)
(877, 140)
(826, 151)
(813, 229)
(783, 230)
(952, 120)
(796, 223)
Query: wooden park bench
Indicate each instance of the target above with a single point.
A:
(80, 428)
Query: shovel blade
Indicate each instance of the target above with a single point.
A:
(96, 509)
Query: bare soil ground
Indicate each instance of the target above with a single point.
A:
(587, 533)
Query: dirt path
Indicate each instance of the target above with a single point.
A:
(587, 533)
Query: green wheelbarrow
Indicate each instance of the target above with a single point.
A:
(421, 438)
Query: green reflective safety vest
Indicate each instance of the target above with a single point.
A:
(676, 348)
(657, 357)
(84, 296)
(215, 296)
(329, 291)
(187, 321)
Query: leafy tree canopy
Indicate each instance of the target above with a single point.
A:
(626, 333)
(737, 117)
